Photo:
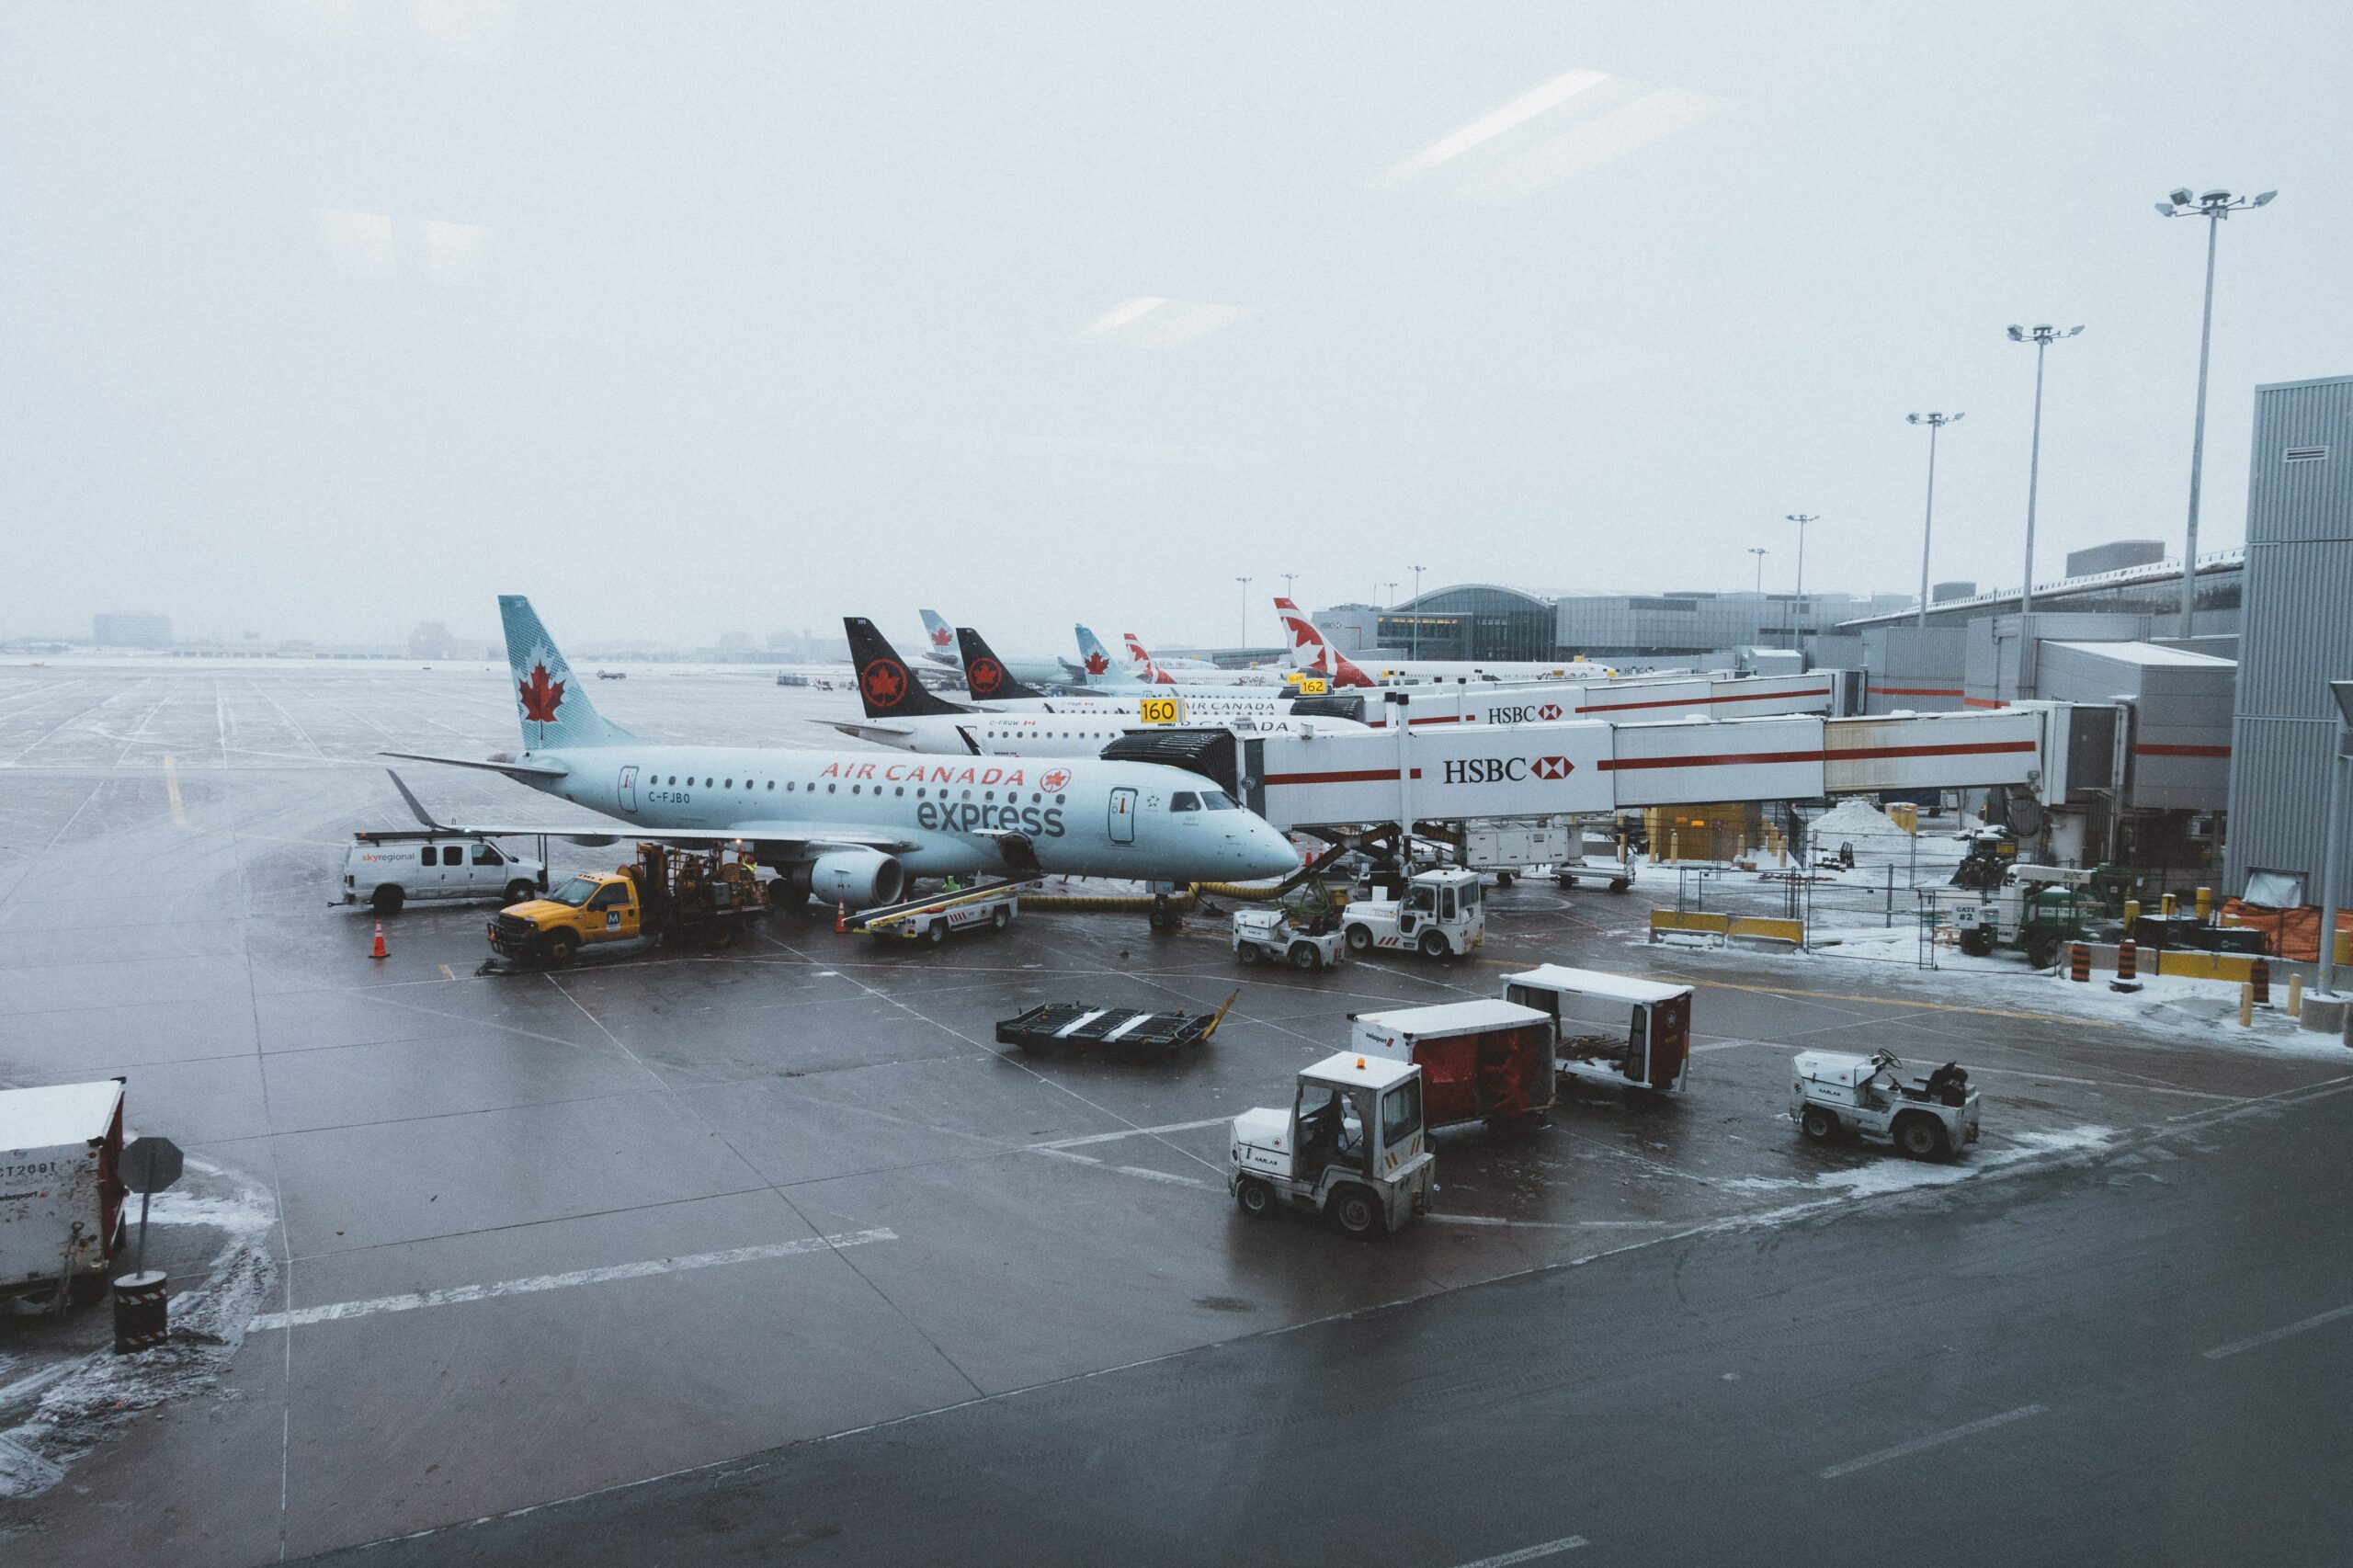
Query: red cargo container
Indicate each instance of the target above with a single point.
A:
(1482, 1060)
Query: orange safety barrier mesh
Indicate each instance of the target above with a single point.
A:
(2286, 933)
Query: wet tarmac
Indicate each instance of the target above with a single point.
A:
(540, 1236)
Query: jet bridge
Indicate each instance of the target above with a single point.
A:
(1408, 774)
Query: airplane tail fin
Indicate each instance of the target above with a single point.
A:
(886, 685)
(554, 710)
(1097, 657)
(1139, 662)
(1309, 650)
(943, 640)
(985, 676)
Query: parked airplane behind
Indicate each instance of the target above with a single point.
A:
(1024, 723)
(851, 825)
(1312, 652)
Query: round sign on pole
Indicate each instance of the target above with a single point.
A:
(151, 1165)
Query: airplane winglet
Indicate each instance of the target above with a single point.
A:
(423, 816)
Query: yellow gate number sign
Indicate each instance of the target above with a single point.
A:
(1159, 710)
(1312, 687)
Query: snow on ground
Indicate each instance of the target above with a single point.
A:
(2167, 1008)
(58, 1406)
(1893, 1173)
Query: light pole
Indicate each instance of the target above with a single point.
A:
(2214, 206)
(1934, 422)
(1417, 612)
(1287, 593)
(2043, 337)
(1801, 612)
(2339, 761)
(1801, 518)
(1245, 609)
(1760, 553)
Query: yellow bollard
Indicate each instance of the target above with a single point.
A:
(1674, 846)
(2132, 910)
(2166, 906)
(2295, 995)
(1623, 852)
(2228, 918)
(2205, 906)
(2246, 1006)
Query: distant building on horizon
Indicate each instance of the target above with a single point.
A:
(131, 630)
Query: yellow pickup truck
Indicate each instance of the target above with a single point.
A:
(667, 896)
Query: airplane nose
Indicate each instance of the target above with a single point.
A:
(1269, 853)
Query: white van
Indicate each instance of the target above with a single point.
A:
(387, 870)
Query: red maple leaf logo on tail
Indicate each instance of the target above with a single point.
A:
(984, 677)
(883, 683)
(1097, 664)
(541, 696)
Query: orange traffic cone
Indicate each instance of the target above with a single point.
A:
(379, 942)
(841, 917)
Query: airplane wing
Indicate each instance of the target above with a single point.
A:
(811, 836)
(512, 770)
(889, 734)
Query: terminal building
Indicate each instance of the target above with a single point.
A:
(2219, 765)
(1489, 621)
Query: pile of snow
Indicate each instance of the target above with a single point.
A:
(1857, 822)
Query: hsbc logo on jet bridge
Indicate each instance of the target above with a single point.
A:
(1507, 769)
(1524, 713)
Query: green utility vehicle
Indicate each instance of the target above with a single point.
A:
(2037, 909)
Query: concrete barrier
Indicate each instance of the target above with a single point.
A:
(2239, 967)
(1694, 922)
(1765, 928)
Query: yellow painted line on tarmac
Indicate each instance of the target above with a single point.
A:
(172, 789)
(446, 974)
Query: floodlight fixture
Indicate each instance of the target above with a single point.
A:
(2180, 196)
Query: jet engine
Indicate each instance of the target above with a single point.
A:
(860, 878)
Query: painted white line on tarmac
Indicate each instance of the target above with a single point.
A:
(1951, 1435)
(1548, 1224)
(336, 1311)
(1529, 1554)
(2252, 1341)
(1158, 1175)
(1067, 1154)
(1133, 1133)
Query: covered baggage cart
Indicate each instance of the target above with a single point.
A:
(1614, 1029)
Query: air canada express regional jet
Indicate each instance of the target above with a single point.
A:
(854, 826)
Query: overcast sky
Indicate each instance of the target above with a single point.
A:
(322, 317)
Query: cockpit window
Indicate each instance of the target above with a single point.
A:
(1184, 800)
(1218, 800)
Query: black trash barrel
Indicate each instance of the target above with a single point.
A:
(139, 1311)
